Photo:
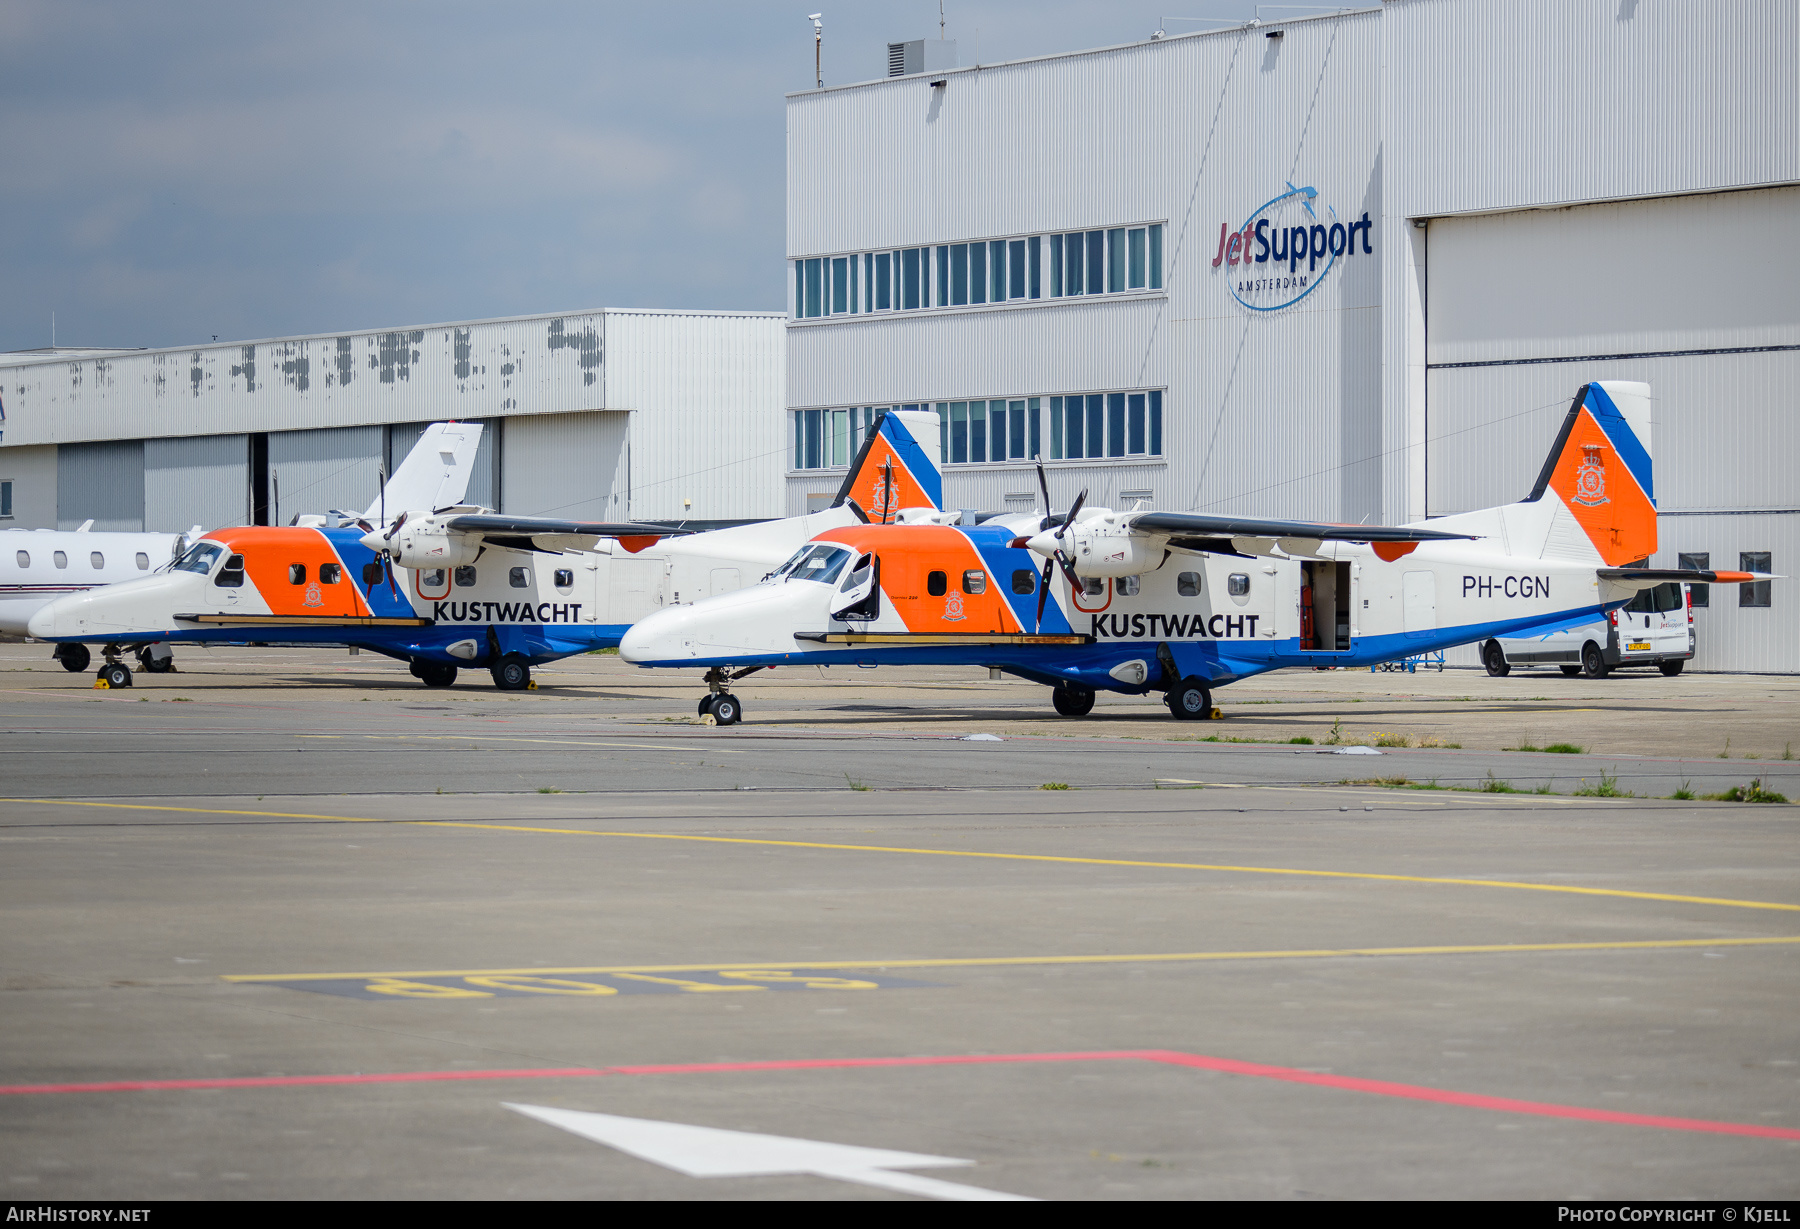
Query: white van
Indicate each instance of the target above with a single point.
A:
(1655, 629)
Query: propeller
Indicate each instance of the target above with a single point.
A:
(1059, 557)
(1044, 493)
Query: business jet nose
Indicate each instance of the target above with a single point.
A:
(733, 628)
(43, 621)
(663, 636)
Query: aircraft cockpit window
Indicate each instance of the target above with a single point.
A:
(465, 576)
(330, 573)
(143, 562)
(1024, 580)
(24, 559)
(974, 582)
(937, 584)
(62, 560)
(96, 560)
(792, 562)
(296, 573)
(199, 558)
(232, 574)
(823, 565)
(1188, 584)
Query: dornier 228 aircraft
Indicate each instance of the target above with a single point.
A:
(1141, 601)
(443, 587)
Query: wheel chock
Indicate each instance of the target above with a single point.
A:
(1218, 714)
(102, 685)
(708, 719)
(531, 686)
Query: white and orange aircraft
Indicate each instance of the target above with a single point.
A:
(1181, 603)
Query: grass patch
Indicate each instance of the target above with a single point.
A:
(1753, 792)
(546, 789)
(1787, 752)
(1683, 794)
(1387, 782)
(858, 786)
(1391, 740)
(1432, 741)
(1726, 754)
(1054, 785)
(1606, 787)
(1566, 749)
(1494, 785)
(1302, 741)
(1336, 737)
(1526, 745)
(602, 652)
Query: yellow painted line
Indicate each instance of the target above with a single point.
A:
(1227, 868)
(508, 738)
(1467, 949)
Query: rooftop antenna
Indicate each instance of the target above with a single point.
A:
(940, 21)
(818, 44)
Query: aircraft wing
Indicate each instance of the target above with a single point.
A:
(1247, 535)
(552, 535)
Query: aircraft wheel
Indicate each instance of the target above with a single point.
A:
(1592, 664)
(726, 710)
(706, 702)
(1494, 658)
(1073, 701)
(1571, 671)
(116, 675)
(157, 665)
(74, 657)
(434, 674)
(512, 673)
(1190, 700)
(1670, 668)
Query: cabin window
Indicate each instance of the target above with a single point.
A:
(296, 573)
(975, 582)
(565, 577)
(1238, 585)
(937, 584)
(465, 576)
(371, 574)
(517, 579)
(330, 573)
(24, 559)
(143, 562)
(1188, 584)
(1024, 581)
(62, 560)
(1092, 586)
(434, 579)
(96, 560)
(1127, 586)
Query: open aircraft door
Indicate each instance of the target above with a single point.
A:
(859, 597)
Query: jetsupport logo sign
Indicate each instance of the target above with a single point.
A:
(1285, 248)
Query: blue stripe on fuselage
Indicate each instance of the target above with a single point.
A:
(994, 545)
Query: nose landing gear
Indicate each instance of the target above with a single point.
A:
(74, 657)
(721, 705)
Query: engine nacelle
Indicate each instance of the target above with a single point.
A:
(1099, 548)
(423, 542)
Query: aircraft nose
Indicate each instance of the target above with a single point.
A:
(42, 624)
(656, 637)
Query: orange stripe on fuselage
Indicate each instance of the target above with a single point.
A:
(909, 554)
(1598, 488)
(870, 486)
(269, 551)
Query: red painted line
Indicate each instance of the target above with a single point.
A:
(1175, 1058)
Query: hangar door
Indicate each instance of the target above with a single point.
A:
(567, 465)
(1692, 295)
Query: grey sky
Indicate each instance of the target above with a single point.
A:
(176, 170)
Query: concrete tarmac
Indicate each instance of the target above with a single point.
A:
(252, 951)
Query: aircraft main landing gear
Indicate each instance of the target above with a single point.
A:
(156, 658)
(1072, 700)
(511, 673)
(1190, 700)
(74, 657)
(433, 674)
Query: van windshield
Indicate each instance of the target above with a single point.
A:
(199, 558)
(1660, 600)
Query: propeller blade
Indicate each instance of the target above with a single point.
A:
(1044, 492)
(1043, 594)
(387, 565)
(1074, 511)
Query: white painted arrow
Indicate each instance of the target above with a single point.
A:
(708, 1152)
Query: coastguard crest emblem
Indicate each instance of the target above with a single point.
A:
(953, 608)
(1590, 477)
(313, 596)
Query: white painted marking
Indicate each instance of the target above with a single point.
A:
(709, 1152)
(1356, 751)
(982, 738)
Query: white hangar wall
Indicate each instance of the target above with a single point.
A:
(683, 408)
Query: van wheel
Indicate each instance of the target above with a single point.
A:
(1494, 658)
(1593, 665)
(1670, 668)
(1073, 701)
(1571, 671)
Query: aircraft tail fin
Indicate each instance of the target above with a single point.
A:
(435, 474)
(1600, 470)
(898, 466)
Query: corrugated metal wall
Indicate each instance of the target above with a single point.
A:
(316, 471)
(102, 482)
(32, 471)
(203, 480)
(1273, 413)
(567, 465)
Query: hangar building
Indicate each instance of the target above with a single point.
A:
(1456, 212)
(603, 415)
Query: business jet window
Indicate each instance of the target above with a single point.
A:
(24, 559)
(465, 576)
(296, 573)
(62, 560)
(199, 558)
(97, 561)
(565, 578)
(823, 565)
(937, 584)
(1024, 581)
(1238, 585)
(974, 582)
(330, 573)
(1188, 584)
(1127, 586)
(517, 578)
(143, 562)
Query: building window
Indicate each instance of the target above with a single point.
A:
(1756, 592)
(1116, 260)
(6, 499)
(1699, 595)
